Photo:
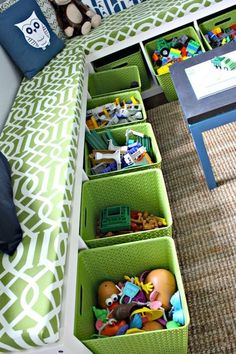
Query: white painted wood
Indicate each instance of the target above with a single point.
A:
(149, 64)
(84, 176)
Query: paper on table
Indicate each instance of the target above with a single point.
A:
(206, 80)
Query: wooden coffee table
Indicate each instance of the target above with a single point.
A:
(206, 113)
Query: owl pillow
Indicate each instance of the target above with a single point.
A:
(27, 37)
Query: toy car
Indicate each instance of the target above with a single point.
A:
(224, 63)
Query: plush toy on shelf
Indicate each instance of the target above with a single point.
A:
(74, 17)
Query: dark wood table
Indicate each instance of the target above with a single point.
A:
(206, 113)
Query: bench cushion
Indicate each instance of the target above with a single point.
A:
(40, 140)
(137, 19)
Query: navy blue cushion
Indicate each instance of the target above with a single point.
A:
(10, 230)
(27, 37)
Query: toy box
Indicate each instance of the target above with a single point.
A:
(122, 96)
(112, 262)
(222, 22)
(142, 190)
(119, 135)
(129, 56)
(165, 80)
(115, 80)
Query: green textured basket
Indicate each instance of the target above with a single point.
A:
(165, 80)
(132, 59)
(113, 81)
(119, 135)
(142, 190)
(99, 101)
(225, 20)
(112, 263)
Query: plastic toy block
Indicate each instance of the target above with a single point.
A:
(162, 47)
(95, 170)
(217, 30)
(174, 53)
(115, 218)
(95, 141)
(192, 47)
(164, 69)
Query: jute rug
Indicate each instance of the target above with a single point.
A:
(204, 226)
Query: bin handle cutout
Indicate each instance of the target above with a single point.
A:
(81, 300)
(85, 217)
(120, 66)
(223, 21)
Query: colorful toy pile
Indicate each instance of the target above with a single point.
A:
(139, 304)
(117, 112)
(107, 156)
(219, 36)
(120, 219)
(173, 51)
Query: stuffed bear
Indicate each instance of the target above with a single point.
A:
(74, 17)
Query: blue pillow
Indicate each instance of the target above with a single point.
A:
(27, 37)
(10, 230)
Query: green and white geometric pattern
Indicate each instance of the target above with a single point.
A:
(40, 140)
(139, 18)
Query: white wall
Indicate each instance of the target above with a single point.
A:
(10, 79)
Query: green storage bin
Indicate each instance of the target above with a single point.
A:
(119, 135)
(99, 101)
(113, 81)
(225, 20)
(142, 190)
(112, 263)
(165, 80)
(135, 58)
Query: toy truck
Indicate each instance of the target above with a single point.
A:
(223, 63)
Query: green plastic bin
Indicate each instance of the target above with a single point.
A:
(142, 190)
(112, 263)
(165, 80)
(113, 81)
(135, 58)
(119, 135)
(225, 20)
(99, 101)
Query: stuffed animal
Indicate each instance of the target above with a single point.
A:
(74, 17)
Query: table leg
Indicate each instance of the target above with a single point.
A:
(203, 156)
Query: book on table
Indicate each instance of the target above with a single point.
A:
(213, 76)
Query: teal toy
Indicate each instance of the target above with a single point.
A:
(130, 290)
(177, 311)
(136, 321)
(116, 218)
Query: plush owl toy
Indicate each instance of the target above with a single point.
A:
(74, 17)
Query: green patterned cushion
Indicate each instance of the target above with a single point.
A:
(40, 141)
(137, 19)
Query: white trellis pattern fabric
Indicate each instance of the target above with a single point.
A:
(40, 140)
(137, 19)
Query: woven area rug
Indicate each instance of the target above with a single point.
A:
(204, 226)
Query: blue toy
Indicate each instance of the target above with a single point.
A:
(176, 310)
(130, 290)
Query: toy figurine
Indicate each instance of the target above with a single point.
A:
(107, 295)
(164, 286)
(74, 17)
